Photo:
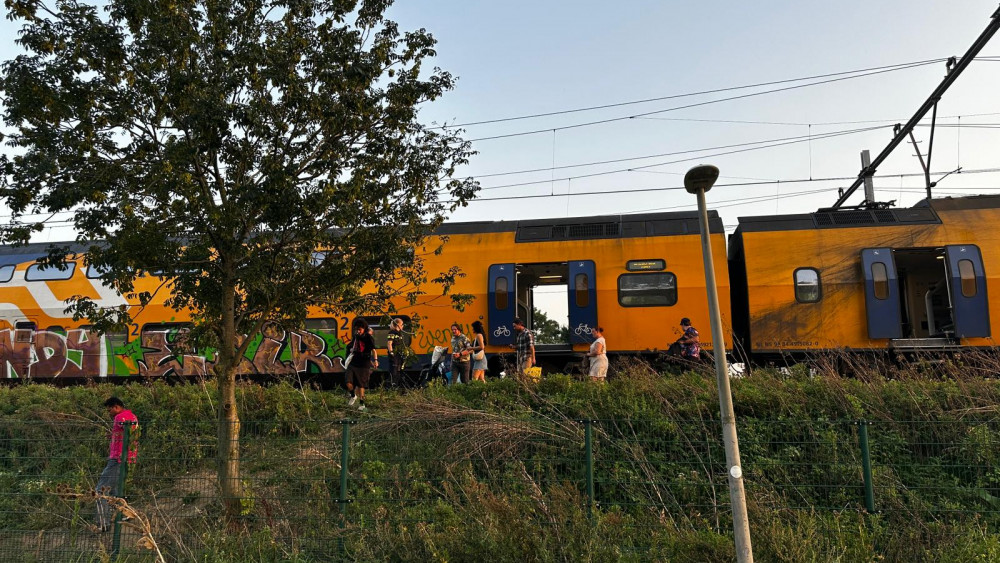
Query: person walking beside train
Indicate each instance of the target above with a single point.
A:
(478, 352)
(108, 482)
(598, 355)
(524, 347)
(690, 341)
(461, 349)
(362, 358)
(396, 347)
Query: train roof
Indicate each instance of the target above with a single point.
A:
(596, 227)
(528, 230)
(923, 212)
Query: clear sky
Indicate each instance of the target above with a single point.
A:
(516, 57)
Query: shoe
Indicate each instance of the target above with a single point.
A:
(350, 402)
(362, 407)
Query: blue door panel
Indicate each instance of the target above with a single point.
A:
(582, 301)
(882, 302)
(502, 304)
(970, 306)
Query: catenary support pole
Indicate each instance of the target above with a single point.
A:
(697, 181)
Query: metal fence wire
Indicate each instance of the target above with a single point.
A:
(326, 490)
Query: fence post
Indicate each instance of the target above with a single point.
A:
(588, 444)
(866, 466)
(116, 539)
(345, 449)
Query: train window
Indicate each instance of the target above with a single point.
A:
(647, 290)
(174, 335)
(581, 290)
(23, 331)
(6, 273)
(94, 272)
(880, 277)
(807, 286)
(49, 273)
(968, 274)
(322, 325)
(57, 329)
(501, 294)
(380, 330)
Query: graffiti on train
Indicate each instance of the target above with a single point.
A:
(26, 353)
(427, 339)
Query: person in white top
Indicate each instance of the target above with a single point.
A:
(598, 355)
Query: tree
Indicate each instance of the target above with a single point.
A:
(263, 156)
(548, 331)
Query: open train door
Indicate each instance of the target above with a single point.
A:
(582, 301)
(881, 293)
(967, 281)
(502, 295)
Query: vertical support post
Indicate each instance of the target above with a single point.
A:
(697, 181)
(866, 466)
(345, 456)
(588, 444)
(116, 538)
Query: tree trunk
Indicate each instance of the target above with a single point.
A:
(230, 481)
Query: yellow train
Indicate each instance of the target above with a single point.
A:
(900, 279)
(635, 275)
(905, 279)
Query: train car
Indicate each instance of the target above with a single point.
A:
(635, 275)
(905, 279)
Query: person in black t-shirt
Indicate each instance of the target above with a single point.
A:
(361, 350)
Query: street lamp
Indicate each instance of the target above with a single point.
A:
(697, 181)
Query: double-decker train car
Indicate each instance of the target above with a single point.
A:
(634, 275)
(904, 279)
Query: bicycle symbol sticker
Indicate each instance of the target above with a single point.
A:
(501, 330)
(582, 329)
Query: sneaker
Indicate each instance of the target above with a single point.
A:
(350, 402)
(362, 407)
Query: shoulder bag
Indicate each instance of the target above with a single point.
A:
(481, 354)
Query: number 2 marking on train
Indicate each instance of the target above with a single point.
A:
(135, 329)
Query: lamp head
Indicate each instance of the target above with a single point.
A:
(700, 178)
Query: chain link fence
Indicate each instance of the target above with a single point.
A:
(374, 489)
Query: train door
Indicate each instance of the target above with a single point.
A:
(967, 285)
(882, 296)
(582, 304)
(502, 295)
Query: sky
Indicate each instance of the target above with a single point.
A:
(519, 58)
(516, 58)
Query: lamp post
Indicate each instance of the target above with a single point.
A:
(697, 181)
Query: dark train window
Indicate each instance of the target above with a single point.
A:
(880, 277)
(647, 290)
(580, 287)
(6, 273)
(57, 329)
(807, 286)
(380, 330)
(49, 273)
(501, 293)
(968, 274)
(23, 331)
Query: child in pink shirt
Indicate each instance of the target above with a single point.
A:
(107, 483)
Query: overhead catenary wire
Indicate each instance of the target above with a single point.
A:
(747, 148)
(890, 67)
(704, 103)
(723, 185)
